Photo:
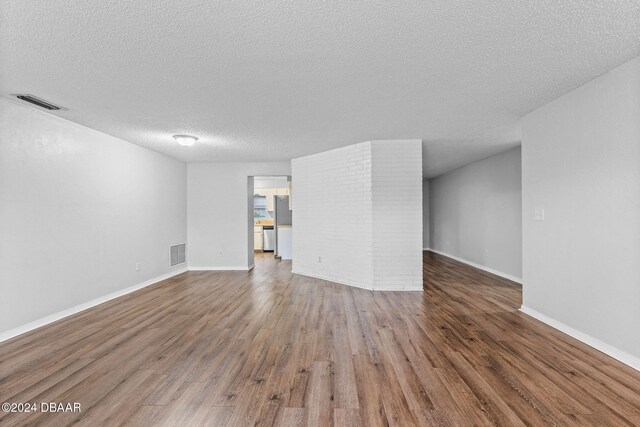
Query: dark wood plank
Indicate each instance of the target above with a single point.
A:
(268, 347)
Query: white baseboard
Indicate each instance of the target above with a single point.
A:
(405, 289)
(426, 249)
(411, 289)
(479, 266)
(607, 349)
(82, 307)
(223, 268)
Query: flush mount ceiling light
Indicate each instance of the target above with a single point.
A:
(185, 140)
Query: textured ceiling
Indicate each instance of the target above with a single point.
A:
(272, 80)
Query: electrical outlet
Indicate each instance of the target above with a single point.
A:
(219, 252)
(538, 214)
(138, 266)
(319, 260)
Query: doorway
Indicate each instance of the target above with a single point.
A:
(271, 216)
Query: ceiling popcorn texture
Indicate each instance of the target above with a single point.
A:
(275, 80)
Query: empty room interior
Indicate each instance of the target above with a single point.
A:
(338, 213)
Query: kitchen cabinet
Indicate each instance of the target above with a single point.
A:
(257, 239)
(269, 193)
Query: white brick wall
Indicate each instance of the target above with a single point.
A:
(357, 214)
(332, 215)
(397, 215)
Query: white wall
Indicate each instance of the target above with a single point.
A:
(78, 209)
(397, 214)
(357, 215)
(263, 182)
(476, 213)
(219, 205)
(426, 227)
(581, 164)
(332, 215)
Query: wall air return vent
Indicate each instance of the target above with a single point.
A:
(178, 254)
(40, 102)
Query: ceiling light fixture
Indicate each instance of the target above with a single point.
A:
(185, 140)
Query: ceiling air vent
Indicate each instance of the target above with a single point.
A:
(40, 102)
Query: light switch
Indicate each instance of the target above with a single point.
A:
(538, 214)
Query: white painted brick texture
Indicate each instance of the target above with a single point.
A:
(357, 214)
(332, 215)
(397, 215)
